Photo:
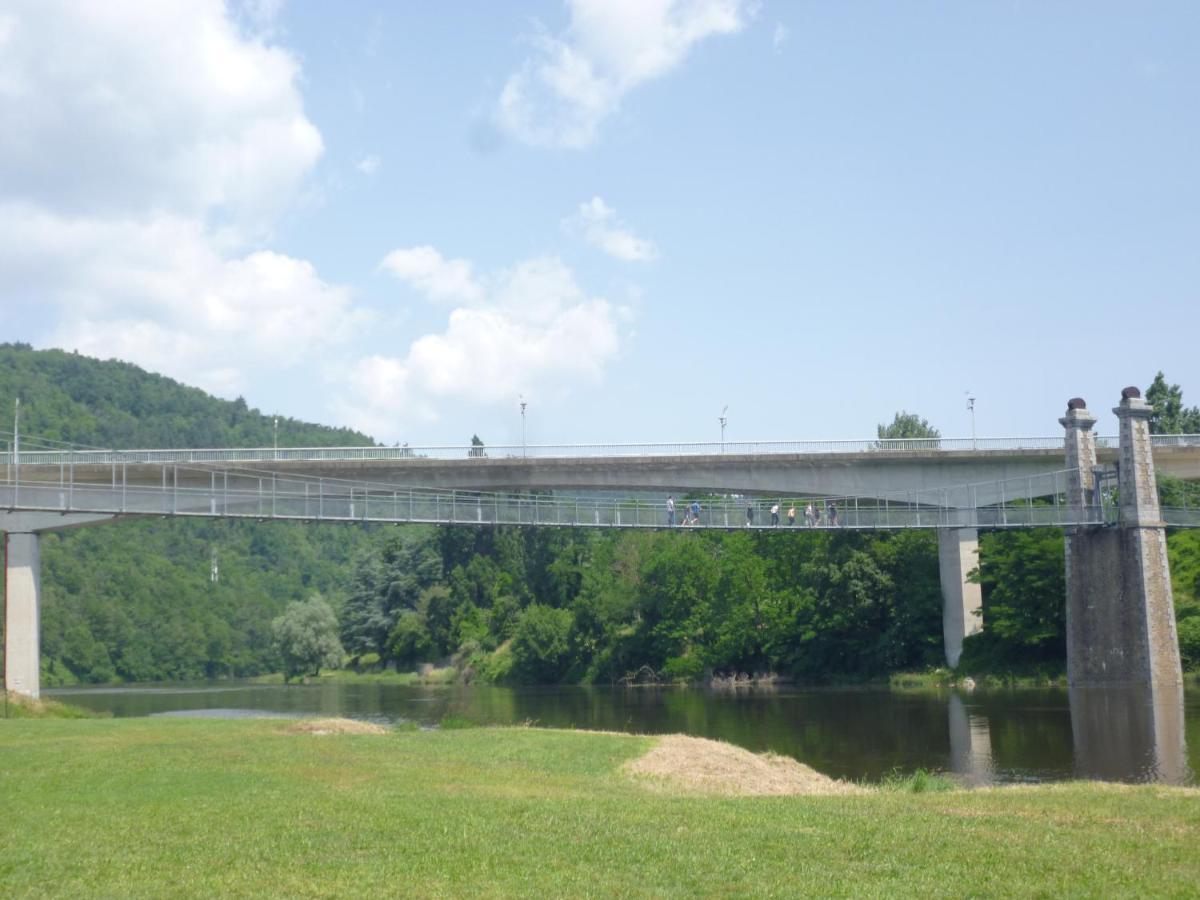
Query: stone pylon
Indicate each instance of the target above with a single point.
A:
(1120, 611)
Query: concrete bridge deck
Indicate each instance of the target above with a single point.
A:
(861, 473)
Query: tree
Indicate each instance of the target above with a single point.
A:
(306, 637)
(906, 426)
(541, 645)
(1170, 416)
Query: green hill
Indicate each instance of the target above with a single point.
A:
(109, 403)
(134, 600)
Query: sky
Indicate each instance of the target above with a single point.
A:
(408, 218)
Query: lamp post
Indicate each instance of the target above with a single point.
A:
(971, 408)
(16, 445)
(722, 419)
(523, 448)
(275, 435)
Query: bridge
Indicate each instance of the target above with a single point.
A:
(956, 486)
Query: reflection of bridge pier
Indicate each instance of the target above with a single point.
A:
(1129, 729)
(970, 744)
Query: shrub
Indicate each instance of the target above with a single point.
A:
(541, 644)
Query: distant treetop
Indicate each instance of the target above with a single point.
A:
(907, 425)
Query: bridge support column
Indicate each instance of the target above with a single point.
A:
(962, 600)
(22, 614)
(23, 592)
(1120, 611)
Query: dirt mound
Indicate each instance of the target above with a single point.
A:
(697, 765)
(334, 726)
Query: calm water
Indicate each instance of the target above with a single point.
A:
(983, 737)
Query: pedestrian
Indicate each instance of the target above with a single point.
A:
(810, 518)
(791, 515)
(694, 509)
(833, 514)
(670, 511)
(749, 513)
(775, 515)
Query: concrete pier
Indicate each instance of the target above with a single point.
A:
(22, 614)
(1120, 611)
(23, 593)
(962, 600)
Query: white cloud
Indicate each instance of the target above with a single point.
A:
(570, 84)
(144, 146)
(532, 330)
(598, 223)
(780, 36)
(123, 107)
(157, 293)
(425, 270)
(368, 165)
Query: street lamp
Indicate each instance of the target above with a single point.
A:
(275, 435)
(971, 407)
(722, 419)
(523, 449)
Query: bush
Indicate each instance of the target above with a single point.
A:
(683, 668)
(541, 644)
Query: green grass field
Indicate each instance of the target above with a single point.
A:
(179, 807)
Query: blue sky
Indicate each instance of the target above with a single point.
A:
(403, 217)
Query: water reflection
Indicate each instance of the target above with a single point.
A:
(1130, 734)
(984, 737)
(970, 744)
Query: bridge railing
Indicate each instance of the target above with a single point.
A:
(205, 492)
(234, 455)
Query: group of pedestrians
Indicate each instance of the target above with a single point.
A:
(814, 515)
(691, 512)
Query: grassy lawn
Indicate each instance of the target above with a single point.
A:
(182, 807)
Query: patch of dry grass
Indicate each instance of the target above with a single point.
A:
(697, 765)
(334, 726)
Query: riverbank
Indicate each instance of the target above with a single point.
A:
(209, 807)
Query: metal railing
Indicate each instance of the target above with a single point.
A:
(1025, 501)
(555, 451)
(35, 457)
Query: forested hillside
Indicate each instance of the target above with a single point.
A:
(73, 398)
(136, 601)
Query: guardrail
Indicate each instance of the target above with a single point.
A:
(553, 451)
(215, 493)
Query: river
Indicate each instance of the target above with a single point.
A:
(982, 737)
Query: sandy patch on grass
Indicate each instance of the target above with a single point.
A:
(697, 765)
(334, 726)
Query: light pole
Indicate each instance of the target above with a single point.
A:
(275, 435)
(722, 419)
(523, 449)
(971, 407)
(16, 446)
